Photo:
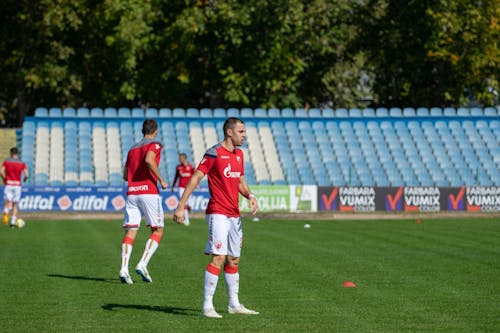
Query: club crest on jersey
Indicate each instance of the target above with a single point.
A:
(157, 146)
(218, 245)
(231, 174)
(238, 159)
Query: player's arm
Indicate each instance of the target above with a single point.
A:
(245, 191)
(125, 173)
(2, 172)
(26, 174)
(193, 183)
(150, 160)
(175, 178)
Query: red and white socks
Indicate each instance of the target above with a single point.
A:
(150, 249)
(127, 245)
(232, 278)
(211, 278)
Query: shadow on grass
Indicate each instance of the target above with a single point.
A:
(84, 278)
(164, 309)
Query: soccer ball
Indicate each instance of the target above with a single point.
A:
(20, 223)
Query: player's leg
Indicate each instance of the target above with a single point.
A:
(231, 273)
(186, 208)
(153, 211)
(131, 225)
(16, 196)
(218, 229)
(7, 198)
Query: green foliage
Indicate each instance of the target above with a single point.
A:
(282, 53)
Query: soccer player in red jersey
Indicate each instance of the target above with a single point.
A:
(183, 172)
(224, 166)
(143, 199)
(11, 171)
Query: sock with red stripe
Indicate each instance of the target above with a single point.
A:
(232, 278)
(151, 246)
(127, 245)
(211, 278)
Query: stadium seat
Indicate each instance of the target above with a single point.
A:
(423, 112)
(490, 112)
(328, 113)
(463, 112)
(219, 113)
(151, 113)
(206, 113)
(124, 112)
(341, 113)
(409, 112)
(477, 112)
(301, 113)
(190, 113)
(354, 113)
(246, 113)
(138, 113)
(260, 113)
(178, 113)
(273, 113)
(165, 113)
(449, 112)
(41, 112)
(96, 113)
(55, 112)
(382, 112)
(69, 113)
(233, 112)
(110, 113)
(83, 113)
(395, 112)
(287, 113)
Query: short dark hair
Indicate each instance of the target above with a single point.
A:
(183, 155)
(14, 151)
(149, 126)
(230, 123)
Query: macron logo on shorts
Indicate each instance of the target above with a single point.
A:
(138, 188)
(229, 174)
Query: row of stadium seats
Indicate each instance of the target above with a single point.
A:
(262, 113)
(367, 152)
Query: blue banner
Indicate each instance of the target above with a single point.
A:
(95, 199)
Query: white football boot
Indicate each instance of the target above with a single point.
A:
(241, 310)
(143, 272)
(210, 313)
(125, 278)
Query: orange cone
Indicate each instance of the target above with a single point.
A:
(348, 284)
(418, 221)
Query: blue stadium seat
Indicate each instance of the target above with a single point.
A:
(151, 113)
(69, 113)
(436, 112)
(55, 112)
(165, 113)
(301, 113)
(287, 113)
(260, 113)
(477, 112)
(449, 112)
(124, 112)
(246, 113)
(273, 113)
(233, 112)
(369, 112)
(41, 112)
(110, 113)
(138, 113)
(409, 112)
(395, 112)
(423, 112)
(490, 112)
(355, 113)
(206, 113)
(178, 113)
(96, 113)
(341, 113)
(219, 113)
(328, 113)
(191, 113)
(83, 113)
(463, 112)
(382, 112)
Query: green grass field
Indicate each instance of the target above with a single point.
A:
(437, 276)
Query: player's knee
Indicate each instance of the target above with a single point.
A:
(232, 261)
(218, 261)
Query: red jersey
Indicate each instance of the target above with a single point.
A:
(140, 179)
(223, 169)
(184, 172)
(13, 171)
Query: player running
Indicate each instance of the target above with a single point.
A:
(223, 164)
(143, 199)
(11, 171)
(184, 171)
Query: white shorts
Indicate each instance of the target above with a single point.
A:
(225, 235)
(12, 193)
(147, 205)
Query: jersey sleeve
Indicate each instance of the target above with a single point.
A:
(155, 147)
(206, 163)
